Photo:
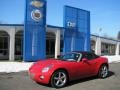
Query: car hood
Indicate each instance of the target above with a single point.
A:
(48, 62)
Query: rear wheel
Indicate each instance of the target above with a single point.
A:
(103, 71)
(59, 79)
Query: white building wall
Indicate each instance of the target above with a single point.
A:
(12, 45)
(100, 40)
(98, 46)
(118, 48)
(57, 43)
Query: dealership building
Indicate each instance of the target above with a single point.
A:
(11, 42)
(36, 40)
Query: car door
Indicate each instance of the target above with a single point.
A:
(74, 70)
(89, 65)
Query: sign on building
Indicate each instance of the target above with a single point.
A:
(77, 29)
(34, 32)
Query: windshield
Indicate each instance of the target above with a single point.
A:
(70, 57)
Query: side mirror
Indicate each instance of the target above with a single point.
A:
(59, 56)
(84, 59)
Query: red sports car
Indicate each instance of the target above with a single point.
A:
(71, 66)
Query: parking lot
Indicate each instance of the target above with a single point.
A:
(21, 81)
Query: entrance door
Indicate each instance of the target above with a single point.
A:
(19, 45)
(50, 45)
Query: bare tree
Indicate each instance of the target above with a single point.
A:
(118, 37)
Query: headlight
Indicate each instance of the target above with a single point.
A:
(46, 69)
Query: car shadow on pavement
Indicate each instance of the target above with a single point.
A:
(111, 73)
(88, 79)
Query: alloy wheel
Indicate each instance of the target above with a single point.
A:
(59, 79)
(103, 71)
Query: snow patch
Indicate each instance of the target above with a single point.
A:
(113, 59)
(9, 67)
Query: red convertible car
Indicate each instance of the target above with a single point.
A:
(71, 66)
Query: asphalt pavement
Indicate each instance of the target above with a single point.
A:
(21, 81)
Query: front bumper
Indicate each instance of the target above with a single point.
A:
(40, 77)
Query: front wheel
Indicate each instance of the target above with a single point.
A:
(103, 71)
(59, 79)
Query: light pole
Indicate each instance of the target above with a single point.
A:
(100, 30)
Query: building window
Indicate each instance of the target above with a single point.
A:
(107, 49)
(4, 41)
(92, 46)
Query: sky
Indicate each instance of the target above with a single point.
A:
(105, 14)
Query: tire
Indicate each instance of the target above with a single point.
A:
(103, 71)
(59, 79)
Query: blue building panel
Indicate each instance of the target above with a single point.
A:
(77, 29)
(34, 32)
